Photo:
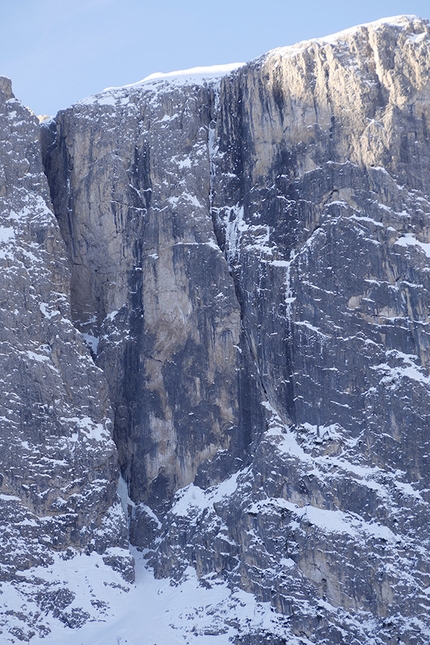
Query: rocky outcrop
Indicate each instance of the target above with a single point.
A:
(58, 463)
(249, 260)
(130, 176)
(321, 206)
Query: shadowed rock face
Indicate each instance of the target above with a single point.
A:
(253, 257)
(58, 463)
(130, 180)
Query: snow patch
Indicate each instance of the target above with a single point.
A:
(159, 611)
(327, 520)
(194, 75)
(47, 311)
(92, 342)
(410, 240)
(7, 234)
(193, 498)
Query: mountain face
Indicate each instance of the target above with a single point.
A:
(235, 288)
(58, 463)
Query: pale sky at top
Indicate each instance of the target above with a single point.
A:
(59, 51)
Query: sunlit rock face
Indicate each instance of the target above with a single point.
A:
(320, 204)
(324, 160)
(58, 462)
(252, 256)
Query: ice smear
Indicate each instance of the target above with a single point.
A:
(123, 495)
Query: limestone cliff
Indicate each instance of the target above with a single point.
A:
(130, 176)
(321, 205)
(58, 463)
(249, 252)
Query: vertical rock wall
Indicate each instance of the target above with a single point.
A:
(321, 205)
(58, 462)
(130, 180)
(321, 199)
(253, 260)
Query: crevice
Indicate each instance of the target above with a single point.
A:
(251, 380)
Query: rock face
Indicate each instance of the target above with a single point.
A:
(130, 176)
(58, 463)
(320, 204)
(250, 262)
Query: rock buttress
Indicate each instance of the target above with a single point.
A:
(130, 181)
(58, 462)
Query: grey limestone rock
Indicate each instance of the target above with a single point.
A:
(58, 462)
(249, 260)
(321, 205)
(130, 176)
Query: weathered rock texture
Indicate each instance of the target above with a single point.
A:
(320, 202)
(250, 263)
(58, 463)
(130, 176)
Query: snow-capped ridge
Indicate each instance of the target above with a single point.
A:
(179, 78)
(193, 75)
(402, 21)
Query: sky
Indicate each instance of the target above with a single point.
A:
(59, 51)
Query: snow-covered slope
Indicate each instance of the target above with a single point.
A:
(159, 611)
